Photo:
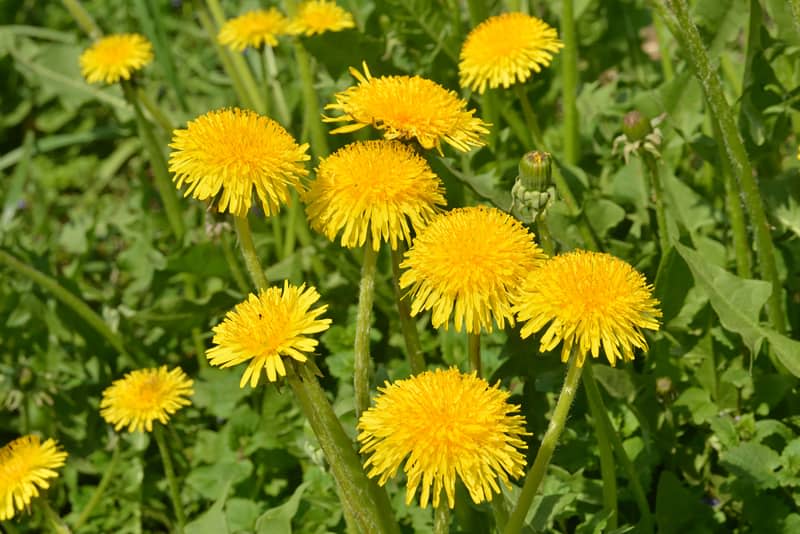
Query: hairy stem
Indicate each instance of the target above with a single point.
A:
(248, 249)
(172, 480)
(366, 295)
(416, 360)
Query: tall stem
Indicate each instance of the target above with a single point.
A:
(796, 14)
(530, 118)
(311, 113)
(83, 18)
(569, 75)
(441, 517)
(686, 32)
(663, 49)
(172, 480)
(233, 265)
(262, 56)
(99, 491)
(535, 476)
(413, 349)
(248, 249)
(154, 111)
(366, 294)
(657, 192)
(545, 237)
(474, 352)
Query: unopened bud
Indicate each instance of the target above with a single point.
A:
(635, 126)
(535, 171)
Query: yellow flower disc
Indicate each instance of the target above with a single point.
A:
(253, 29)
(115, 58)
(234, 152)
(373, 188)
(408, 107)
(144, 396)
(444, 425)
(26, 464)
(505, 49)
(466, 263)
(588, 299)
(320, 16)
(265, 328)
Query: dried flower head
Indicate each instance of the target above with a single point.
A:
(320, 16)
(115, 57)
(26, 464)
(256, 28)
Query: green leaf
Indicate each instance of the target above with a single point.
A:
(278, 520)
(754, 462)
(213, 520)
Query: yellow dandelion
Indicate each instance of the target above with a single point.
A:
(445, 425)
(253, 29)
(589, 299)
(26, 464)
(408, 107)
(144, 396)
(381, 188)
(505, 49)
(466, 263)
(320, 16)
(115, 58)
(237, 151)
(265, 328)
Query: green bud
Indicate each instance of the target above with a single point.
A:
(635, 126)
(535, 171)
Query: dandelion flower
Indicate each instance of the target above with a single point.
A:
(144, 396)
(25, 466)
(265, 328)
(505, 49)
(466, 263)
(253, 29)
(588, 299)
(115, 58)
(444, 424)
(375, 188)
(320, 16)
(408, 107)
(235, 151)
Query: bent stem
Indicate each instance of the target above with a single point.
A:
(99, 491)
(174, 488)
(413, 349)
(474, 352)
(366, 294)
(248, 249)
(536, 474)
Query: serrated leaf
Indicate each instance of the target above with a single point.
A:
(754, 462)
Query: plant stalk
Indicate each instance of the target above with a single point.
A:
(311, 113)
(172, 480)
(83, 18)
(474, 352)
(530, 118)
(416, 360)
(657, 194)
(441, 517)
(249, 253)
(366, 295)
(569, 74)
(99, 491)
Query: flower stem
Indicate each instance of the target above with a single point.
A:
(366, 294)
(474, 351)
(174, 489)
(66, 298)
(441, 517)
(413, 349)
(657, 193)
(57, 525)
(311, 120)
(545, 237)
(530, 118)
(733, 204)
(536, 474)
(601, 430)
(363, 501)
(265, 77)
(154, 111)
(569, 74)
(99, 491)
(281, 109)
(158, 163)
(686, 32)
(248, 249)
(663, 49)
(233, 265)
(796, 14)
(82, 18)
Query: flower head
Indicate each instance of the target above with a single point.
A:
(589, 299)
(25, 465)
(235, 151)
(320, 16)
(466, 263)
(253, 29)
(444, 424)
(265, 328)
(115, 58)
(408, 107)
(144, 396)
(375, 188)
(505, 49)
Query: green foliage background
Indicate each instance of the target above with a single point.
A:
(712, 427)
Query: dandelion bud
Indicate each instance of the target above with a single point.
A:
(535, 171)
(635, 126)
(532, 190)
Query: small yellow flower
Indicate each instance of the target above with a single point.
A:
(320, 16)
(505, 49)
(265, 328)
(589, 299)
(375, 188)
(234, 152)
(408, 107)
(445, 425)
(25, 466)
(115, 58)
(144, 396)
(253, 29)
(466, 263)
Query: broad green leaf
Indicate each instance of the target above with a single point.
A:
(754, 462)
(278, 520)
(213, 520)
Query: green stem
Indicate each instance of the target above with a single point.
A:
(99, 491)
(474, 351)
(311, 113)
(590, 241)
(277, 236)
(530, 118)
(265, 77)
(233, 265)
(500, 513)
(366, 294)
(83, 18)
(796, 14)
(545, 238)
(657, 194)
(413, 349)
(57, 525)
(291, 226)
(593, 392)
(155, 111)
(363, 501)
(161, 179)
(66, 298)
(569, 74)
(248, 249)
(535, 476)
(663, 49)
(490, 114)
(172, 480)
(281, 109)
(197, 336)
(441, 517)
(601, 430)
